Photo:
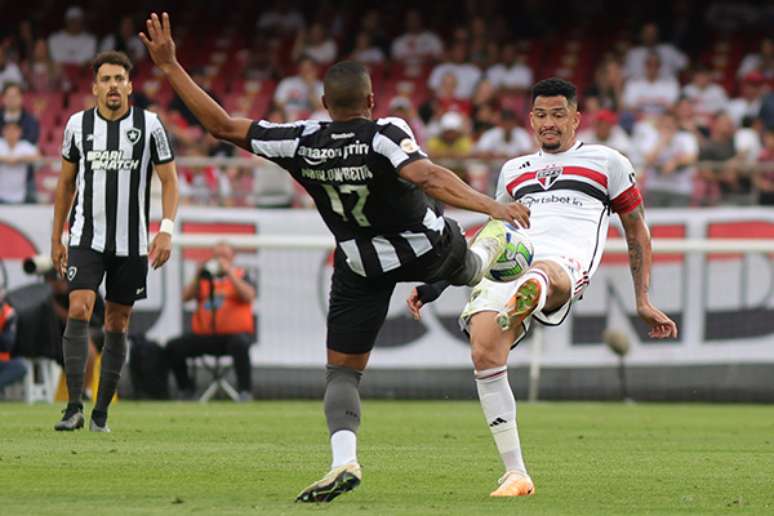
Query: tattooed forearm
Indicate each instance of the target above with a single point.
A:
(638, 242)
(636, 265)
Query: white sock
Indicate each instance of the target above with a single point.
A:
(499, 406)
(541, 278)
(344, 448)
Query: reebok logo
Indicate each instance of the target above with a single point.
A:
(498, 421)
(340, 136)
(140, 291)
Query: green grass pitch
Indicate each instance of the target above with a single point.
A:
(417, 457)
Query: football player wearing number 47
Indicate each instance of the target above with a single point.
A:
(570, 188)
(370, 181)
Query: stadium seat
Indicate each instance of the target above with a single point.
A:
(218, 367)
(40, 380)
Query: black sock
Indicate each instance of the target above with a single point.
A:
(99, 417)
(75, 348)
(113, 357)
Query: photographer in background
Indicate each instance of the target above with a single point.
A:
(11, 369)
(223, 323)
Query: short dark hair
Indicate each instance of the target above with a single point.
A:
(346, 85)
(112, 57)
(554, 87)
(9, 85)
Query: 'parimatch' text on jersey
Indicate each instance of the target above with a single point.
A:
(115, 159)
(570, 196)
(379, 220)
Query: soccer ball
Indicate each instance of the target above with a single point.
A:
(515, 258)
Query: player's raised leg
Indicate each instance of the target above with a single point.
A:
(545, 284)
(75, 349)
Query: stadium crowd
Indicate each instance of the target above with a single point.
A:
(694, 114)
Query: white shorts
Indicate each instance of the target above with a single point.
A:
(490, 296)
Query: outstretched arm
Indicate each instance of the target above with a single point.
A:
(640, 259)
(214, 118)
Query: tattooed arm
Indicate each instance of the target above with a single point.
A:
(640, 258)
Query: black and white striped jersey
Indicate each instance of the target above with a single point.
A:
(115, 160)
(350, 169)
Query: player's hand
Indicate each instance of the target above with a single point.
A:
(59, 258)
(512, 212)
(661, 326)
(159, 42)
(160, 249)
(414, 304)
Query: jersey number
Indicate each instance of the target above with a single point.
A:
(357, 209)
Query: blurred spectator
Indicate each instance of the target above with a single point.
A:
(43, 75)
(201, 185)
(467, 74)
(262, 59)
(750, 100)
(653, 94)
(365, 51)
(669, 161)
(686, 120)
(671, 61)
(764, 178)
(72, 45)
(767, 110)
(417, 45)
(315, 44)
(125, 40)
(708, 97)
(22, 42)
(281, 18)
(403, 108)
(12, 370)
(605, 130)
(373, 25)
(222, 324)
(761, 62)
(445, 100)
(12, 110)
(608, 85)
(747, 140)
(301, 94)
(511, 72)
(721, 180)
(485, 117)
(452, 141)
(15, 155)
(506, 140)
(9, 72)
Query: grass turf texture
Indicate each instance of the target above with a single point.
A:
(417, 457)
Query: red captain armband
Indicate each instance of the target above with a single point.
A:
(628, 200)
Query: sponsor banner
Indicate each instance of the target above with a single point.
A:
(723, 303)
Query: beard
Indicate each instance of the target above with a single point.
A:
(551, 146)
(114, 103)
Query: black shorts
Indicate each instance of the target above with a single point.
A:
(126, 275)
(358, 306)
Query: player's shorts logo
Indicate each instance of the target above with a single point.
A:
(72, 270)
(548, 176)
(133, 135)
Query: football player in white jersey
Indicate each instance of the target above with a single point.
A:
(570, 188)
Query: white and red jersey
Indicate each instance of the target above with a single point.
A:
(570, 196)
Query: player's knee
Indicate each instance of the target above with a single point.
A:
(80, 308)
(117, 320)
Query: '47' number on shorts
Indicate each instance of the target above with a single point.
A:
(357, 210)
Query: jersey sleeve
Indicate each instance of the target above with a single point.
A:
(70, 151)
(624, 194)
(501, 194)
(395, 141)
(276, 142)
(161, 149)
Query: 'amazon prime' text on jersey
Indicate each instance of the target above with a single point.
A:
(380, 221)
(570, 196)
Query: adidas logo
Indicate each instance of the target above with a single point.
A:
(496, 422)
(524, 165)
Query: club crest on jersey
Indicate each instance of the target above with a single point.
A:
(133, 135)
(548, 176)
(72, 270)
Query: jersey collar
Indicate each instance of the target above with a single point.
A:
(128, 113)
(577, 145)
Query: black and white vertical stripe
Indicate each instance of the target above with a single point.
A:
(110, 212)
